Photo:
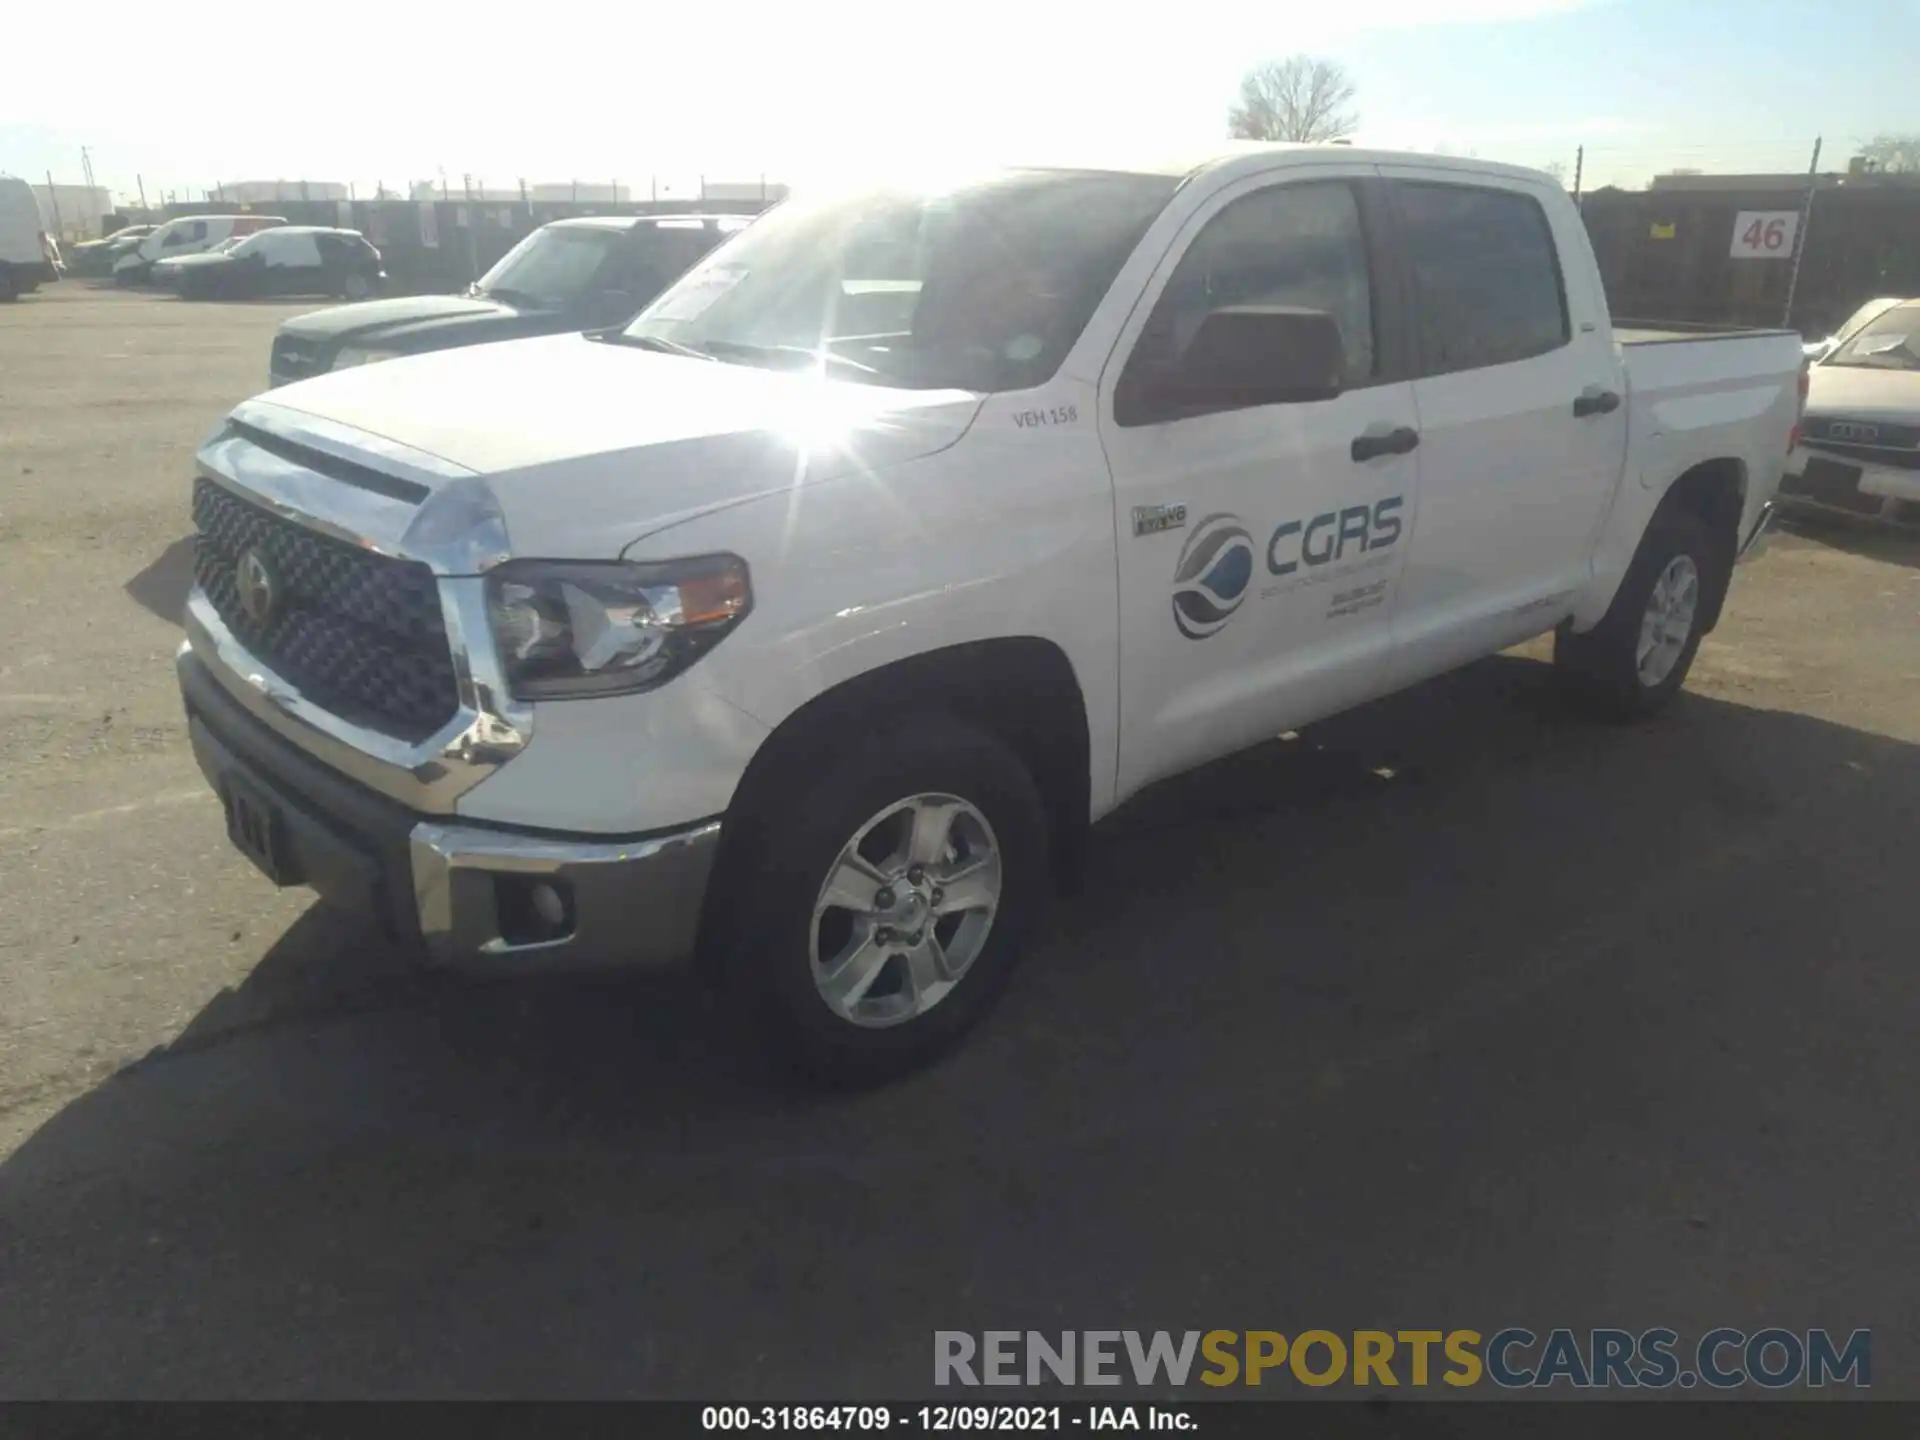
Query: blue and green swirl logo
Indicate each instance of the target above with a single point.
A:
(1212, 577)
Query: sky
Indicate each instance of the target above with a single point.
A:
(395, 91)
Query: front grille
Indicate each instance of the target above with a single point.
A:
(360, 634)
(296, 359)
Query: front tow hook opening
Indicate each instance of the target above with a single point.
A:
(534, 909)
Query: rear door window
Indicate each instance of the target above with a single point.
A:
(1486, 276)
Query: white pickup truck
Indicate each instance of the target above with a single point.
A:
(805, 624)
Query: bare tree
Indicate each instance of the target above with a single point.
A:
(1298, 98)
(1894, 154)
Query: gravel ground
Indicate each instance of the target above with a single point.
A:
(1456, 1011)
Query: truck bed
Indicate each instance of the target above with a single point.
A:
(1668, 332)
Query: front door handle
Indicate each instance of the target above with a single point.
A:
(1595, 401)
(1375, 443)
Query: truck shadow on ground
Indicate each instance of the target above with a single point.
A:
(1387, 988)
(161, 589)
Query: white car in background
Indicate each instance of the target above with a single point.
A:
(1818, 350)
(186, 235)
(28, 256)
(1859, 450)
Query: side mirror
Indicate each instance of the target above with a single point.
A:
(1247, 355)
(1818, 350)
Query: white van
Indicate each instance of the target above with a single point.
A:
(188, 235)
(26, 255)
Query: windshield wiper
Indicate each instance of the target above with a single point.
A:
(740, 349)
(652, 342)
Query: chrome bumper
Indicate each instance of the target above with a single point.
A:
(469, 893)
(1756, 542)
(632, 902)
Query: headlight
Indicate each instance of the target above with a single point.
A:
(567, 630)
(355, 355)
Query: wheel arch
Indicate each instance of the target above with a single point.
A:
(1714, 491)
(1021, 689)
(1714, 488)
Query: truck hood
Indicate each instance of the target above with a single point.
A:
(422, 320)
(1859, 393)
(588, 446)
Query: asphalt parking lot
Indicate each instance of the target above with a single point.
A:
(1454, 1012)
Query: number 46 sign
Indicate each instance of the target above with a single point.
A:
(1765, 234)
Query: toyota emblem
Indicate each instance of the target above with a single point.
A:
(259, 587)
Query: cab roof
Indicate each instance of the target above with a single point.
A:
(634, 222)
(1233, 158)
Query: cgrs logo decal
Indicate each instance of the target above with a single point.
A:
(1211, 580)
(1216, 568)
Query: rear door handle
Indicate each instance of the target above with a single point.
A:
(1595, 401)
(1375, 443)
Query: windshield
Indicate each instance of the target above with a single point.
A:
(1891, 342)
(551, 269)
(984, 287)
(229, 246)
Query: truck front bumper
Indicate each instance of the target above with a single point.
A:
(471, 894)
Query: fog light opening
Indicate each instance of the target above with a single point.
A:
(533, 910)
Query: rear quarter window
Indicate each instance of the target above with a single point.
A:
(1486, 276)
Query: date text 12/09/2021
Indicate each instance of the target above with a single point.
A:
(941, 1419)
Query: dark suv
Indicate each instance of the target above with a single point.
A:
(568, 275)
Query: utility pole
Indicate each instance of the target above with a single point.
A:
(142, 186)
(53, 200)
(1579, 170)
(1800, 241)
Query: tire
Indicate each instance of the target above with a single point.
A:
(355, 287)
(786, 932)
(1634, 662)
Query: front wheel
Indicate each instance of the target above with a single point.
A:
(889, 898)
(1636, 659)
(355, 287)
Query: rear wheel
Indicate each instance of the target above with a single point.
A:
(886, 902)
(1636, 659)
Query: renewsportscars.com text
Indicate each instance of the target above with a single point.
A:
(1513, 1358)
